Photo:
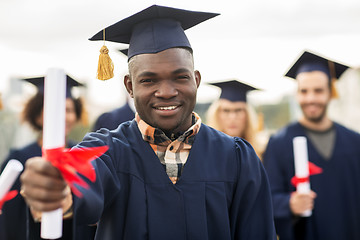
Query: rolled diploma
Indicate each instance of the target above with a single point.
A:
(302, 167)
(53, 137)
(11, 171)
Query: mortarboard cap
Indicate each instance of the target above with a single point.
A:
(154, 29)
(309, 62)
(124, 51)
(39, 83)
(233, 90)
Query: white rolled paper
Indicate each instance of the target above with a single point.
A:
(53, 137)
(301, 161)
(11, 171)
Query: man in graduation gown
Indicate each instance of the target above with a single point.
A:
(166, 175)
(335, 194)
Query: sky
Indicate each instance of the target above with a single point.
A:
(251, 41)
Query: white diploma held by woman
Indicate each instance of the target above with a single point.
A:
(7, 179)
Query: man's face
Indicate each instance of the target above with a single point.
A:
(164, 87)
(313, 95)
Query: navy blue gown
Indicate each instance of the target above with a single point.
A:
(15, 214)
(223, 192)
(336, 213)
(111, 120)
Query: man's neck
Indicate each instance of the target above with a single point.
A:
(322, 125)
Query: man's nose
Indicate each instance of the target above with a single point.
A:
(166, 90)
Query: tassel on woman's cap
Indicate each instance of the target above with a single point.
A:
(105, 66)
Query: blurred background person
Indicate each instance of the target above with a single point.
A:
(334, 197)
(13, 217)
(112, 119)
(9, 122)
(232, 114)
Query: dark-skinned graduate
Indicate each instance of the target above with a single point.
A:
(166, 175)
(15, 215)
(334, 197)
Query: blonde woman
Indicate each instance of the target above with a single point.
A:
(231, 113)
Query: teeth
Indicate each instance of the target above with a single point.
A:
(166, 108)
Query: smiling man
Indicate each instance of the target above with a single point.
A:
(165, 86)
(166, 175)
(335, 196)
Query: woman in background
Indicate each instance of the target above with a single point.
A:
(13, 223)
(231, 113)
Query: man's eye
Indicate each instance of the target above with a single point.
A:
(183, 77)
(147, 80)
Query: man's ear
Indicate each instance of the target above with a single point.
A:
(128, 85)
(197, 78)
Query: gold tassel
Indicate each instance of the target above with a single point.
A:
(105, 66)
(334, 92)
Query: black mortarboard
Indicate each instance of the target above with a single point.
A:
(39, 83)
(154, 29)
(309, 62)
(233, 90)
(124, 51)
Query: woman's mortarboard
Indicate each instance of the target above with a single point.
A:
(153, 29)
(39, 83)
(233, 90)
(308, 62)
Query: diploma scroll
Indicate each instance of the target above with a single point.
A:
(302, 167)
(11, 171)
(53, 137)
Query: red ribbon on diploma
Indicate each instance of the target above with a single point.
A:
(10, 195)
(73, 161)
(313, 169)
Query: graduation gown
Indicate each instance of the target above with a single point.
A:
(15, 214)
(111, 120)
(336, 213)
(223, 192)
